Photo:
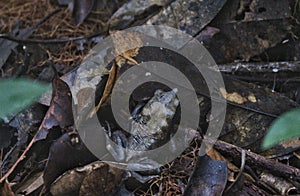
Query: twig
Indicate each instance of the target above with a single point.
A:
(256, 160)
(243, 160)
(18, 161)
(48, 41)
(269, 80)
(271, 67)
(45, 19)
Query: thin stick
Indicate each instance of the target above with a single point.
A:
(271, 67)
(255, 160)
(18, 161)
(48, 41)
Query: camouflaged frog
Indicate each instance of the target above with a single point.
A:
(147, 129)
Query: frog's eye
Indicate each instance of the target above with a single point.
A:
(158, 92)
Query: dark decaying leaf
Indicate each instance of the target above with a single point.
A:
(60, 110)
(81, 10)
(197, 14)
(256, 10)
(248, 39)
(97, 178)
(135, 12)
(66, 153)
(28, 121)
(246, 128)
(19, 93)
(105, 180)
(69, 182)
(5, 136)
(6, 46)
(247, 28)
(209, 177)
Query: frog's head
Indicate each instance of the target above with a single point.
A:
(168, 99)
(162, 104)
(159, 110)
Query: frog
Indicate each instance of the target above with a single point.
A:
(149, 124)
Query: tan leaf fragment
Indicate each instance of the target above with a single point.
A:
(233, 97)
(252, 98)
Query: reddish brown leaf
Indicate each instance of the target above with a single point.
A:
(60, 110)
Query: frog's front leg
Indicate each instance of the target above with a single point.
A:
(118, 146)
(116, 143)
(119, 153)
(141, 178)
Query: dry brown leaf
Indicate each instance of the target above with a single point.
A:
(127, 44)
(108, 88)
(214, 154)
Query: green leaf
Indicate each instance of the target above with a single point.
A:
(16, 94)
(287, 126)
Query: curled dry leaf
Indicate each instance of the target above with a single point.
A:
(108, 88)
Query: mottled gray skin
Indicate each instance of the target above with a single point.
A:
(153, 120)
(149, 127)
